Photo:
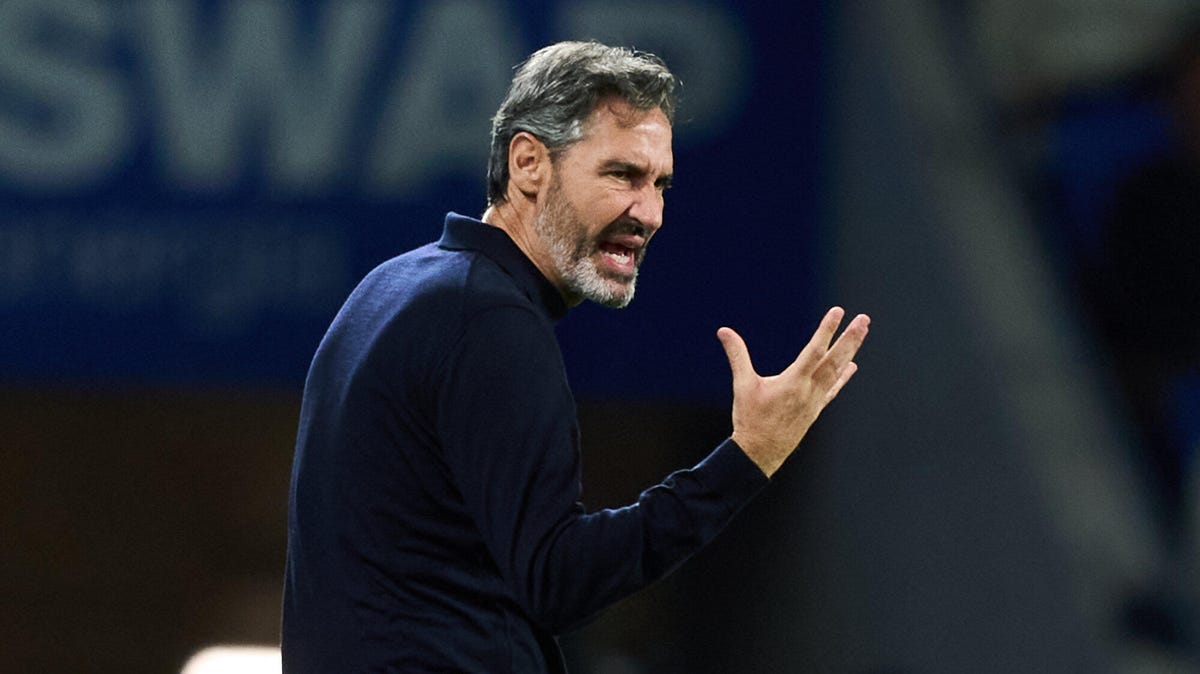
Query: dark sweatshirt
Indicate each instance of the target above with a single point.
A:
(434, 519)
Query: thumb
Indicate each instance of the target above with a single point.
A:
(736, 352)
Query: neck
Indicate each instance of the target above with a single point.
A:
(518, 221)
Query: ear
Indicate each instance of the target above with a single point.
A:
(528, 165)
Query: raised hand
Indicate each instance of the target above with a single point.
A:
(772, 414)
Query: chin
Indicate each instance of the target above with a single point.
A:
(616, 302)
(615, 298)
(587, 281)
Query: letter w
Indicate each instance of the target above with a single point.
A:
(258, 75)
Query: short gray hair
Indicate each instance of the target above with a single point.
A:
(558, 87)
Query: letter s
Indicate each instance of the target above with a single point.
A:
(63, 116)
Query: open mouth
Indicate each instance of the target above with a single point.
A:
(618, 258)
(622, 256)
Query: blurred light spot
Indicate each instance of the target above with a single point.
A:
(235, 660)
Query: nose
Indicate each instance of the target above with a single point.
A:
(647, 208)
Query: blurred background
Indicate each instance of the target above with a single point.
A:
(189, 188)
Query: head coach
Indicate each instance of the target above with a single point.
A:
(434, 519)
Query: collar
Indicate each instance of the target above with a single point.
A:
(464, 233)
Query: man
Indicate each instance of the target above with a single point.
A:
(434, 519)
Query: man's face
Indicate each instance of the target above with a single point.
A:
(605, 202)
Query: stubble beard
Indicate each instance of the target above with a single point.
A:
(574, 254)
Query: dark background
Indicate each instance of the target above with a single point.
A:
(189, 188)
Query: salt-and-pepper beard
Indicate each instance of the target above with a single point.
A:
(574, 253)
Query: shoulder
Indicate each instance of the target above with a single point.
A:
(431, 281)
(429, 302)
(431, 270)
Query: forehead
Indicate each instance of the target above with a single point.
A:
(615, 127)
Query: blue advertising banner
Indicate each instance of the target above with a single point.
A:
(189, 189)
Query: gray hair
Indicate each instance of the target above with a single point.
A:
(558, 87)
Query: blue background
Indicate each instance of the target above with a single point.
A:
(132, 270)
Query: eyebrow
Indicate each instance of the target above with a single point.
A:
(663, 181)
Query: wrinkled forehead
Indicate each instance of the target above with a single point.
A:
(623, 114)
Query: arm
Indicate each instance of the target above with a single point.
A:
(507, 425)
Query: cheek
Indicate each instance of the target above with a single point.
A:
(605, 208)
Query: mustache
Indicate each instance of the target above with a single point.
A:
(625, 225)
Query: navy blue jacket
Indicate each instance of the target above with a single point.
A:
(434, 520)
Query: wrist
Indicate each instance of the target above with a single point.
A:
(767, 461)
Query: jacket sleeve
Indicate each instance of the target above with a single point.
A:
(507, 422)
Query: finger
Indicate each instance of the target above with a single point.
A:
(848, 344)
(818, 344)
(829, 368)
(737, 353)
(843, 377)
